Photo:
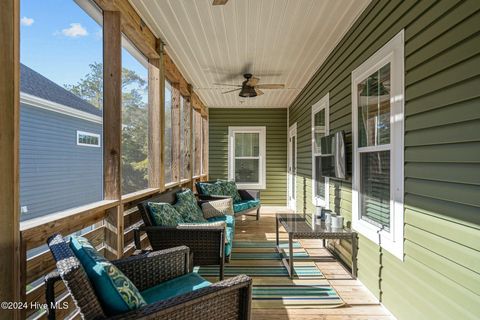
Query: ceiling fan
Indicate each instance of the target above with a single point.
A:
(250, 87)
(219, 2)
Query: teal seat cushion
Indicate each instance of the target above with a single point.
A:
(245, 205)
(188, 208)
(164, 214)
(116, 292)
(174, 287)
(228, 244)
(229, 220)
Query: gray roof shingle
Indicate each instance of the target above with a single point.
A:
(32, 82)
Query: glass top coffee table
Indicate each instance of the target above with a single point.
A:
(297, 228)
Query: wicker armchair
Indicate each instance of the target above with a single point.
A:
(228, 299)
(206, 243)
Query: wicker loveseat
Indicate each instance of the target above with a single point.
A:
(207, 243)
(228, 299)
(249, 199)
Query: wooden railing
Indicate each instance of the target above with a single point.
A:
(35, 232)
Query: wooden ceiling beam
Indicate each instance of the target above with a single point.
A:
(145, 40)
(133, 26)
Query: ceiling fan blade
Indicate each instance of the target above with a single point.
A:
(228, 85)
(232, 90)
(270, 86)
(259, 92)
(252, 81)
(219, 2)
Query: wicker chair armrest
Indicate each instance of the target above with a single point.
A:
(150, 269)
(50, 280)
(179, 229)
(249, 194)
(218, 301)
(202, 198)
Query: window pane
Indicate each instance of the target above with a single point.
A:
(247, 145)
(374, 108)
(61, 56)
(134, 120)
(375, 188)
(168, 133)
(319, 179)
(319, 129)
(247, 170)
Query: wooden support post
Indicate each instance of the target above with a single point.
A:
(187, 140)
(11, 286)
(154, 124)
(161, 84)
(112, 131)
(205, 146)
(198, 143)
(175, 133)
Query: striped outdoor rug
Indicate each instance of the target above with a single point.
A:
(272, 288)
(265, 250)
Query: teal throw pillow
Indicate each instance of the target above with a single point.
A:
(229, 188)
(188, 208)
(164, 214)
(116, 292)
(211, 189)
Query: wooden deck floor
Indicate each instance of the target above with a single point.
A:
(361, 304)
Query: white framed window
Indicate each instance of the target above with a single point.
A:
(320, 128)
(247, 156)
(88, 139)
(378, 147)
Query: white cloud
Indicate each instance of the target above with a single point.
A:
(27, 21)
(75, 30)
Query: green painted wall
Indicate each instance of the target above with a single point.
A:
(440, 275)
(276, 122)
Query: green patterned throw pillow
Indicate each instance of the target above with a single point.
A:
(211, 189)
(115, 291)
(229, 188)
(164, 214)
(188, 208)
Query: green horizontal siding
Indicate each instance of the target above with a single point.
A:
(440, 275)
(275, 121)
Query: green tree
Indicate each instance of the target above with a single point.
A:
(134, 121)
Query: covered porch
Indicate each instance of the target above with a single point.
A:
(365, 112)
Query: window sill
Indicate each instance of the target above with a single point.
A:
(372, 233)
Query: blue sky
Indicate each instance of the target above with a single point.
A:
(59, 40)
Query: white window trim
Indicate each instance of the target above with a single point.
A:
(323, 103)
(96, 135)
(262, 131)
(393, 53)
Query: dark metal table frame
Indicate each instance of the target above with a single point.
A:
(309, 233)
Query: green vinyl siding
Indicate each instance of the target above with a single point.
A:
(440, 275)
(275, 121)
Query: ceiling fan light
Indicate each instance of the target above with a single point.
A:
(248, 92)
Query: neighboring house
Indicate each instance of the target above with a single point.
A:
(60, 148)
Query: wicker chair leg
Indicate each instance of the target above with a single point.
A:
(222, 269)
(50, 280)
(258, 213)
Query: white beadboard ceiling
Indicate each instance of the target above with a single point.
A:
(280, 41)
